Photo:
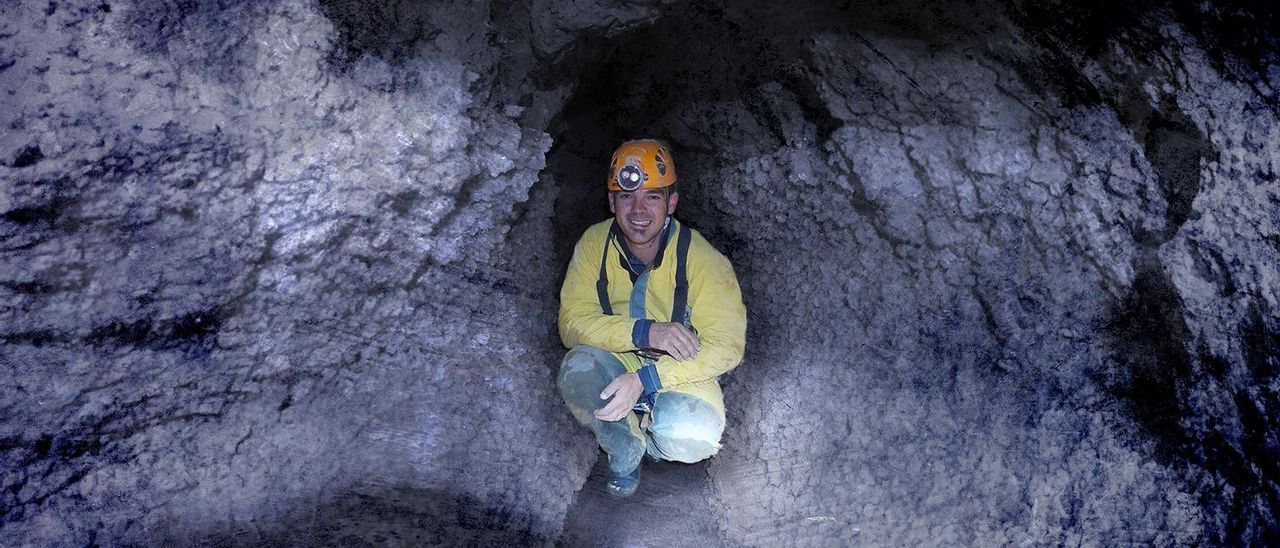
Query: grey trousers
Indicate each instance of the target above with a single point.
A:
(681, 428)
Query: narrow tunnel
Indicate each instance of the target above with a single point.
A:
(287, 273)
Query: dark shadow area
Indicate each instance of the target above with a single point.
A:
(641, 83)
(387, 31)
(1241, 459)
(1239, 37)
(29, 156)
(669, 509)
(1148, 337)
(1155, 376)
(1174, 147)
(377, 516)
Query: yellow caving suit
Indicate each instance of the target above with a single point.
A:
(714, 307)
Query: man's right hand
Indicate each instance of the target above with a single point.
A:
(674, 339)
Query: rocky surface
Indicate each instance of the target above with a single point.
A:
(252, 282)
(286, 272)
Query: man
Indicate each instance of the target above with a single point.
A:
(653, 315)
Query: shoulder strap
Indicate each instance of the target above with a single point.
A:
(602, 284)
(680, 305)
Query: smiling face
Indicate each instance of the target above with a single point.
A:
(641, 215)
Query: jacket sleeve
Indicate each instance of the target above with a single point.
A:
(721, 321)
(581, 320)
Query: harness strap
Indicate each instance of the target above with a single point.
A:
(680, 305)
(602, 284)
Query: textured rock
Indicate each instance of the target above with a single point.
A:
(970, 244)
(252, 284)
(286, 272)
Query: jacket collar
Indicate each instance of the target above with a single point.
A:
(625, 257)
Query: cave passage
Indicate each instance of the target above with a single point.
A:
(287, 272)
(669, 79)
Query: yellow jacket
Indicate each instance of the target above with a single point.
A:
(715, 306)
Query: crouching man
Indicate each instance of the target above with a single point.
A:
(652, 315)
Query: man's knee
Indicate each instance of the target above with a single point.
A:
(583, 373)
(685, 428)
(578, 360)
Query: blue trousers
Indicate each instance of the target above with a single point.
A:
(682, 427)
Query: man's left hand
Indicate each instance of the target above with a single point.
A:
(626, 391)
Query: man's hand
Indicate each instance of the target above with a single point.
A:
(674, 339)
(626, 390)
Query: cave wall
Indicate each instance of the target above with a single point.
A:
(254, 280)
(959, 340)
(287, 271)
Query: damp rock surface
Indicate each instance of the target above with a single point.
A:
(287, 272)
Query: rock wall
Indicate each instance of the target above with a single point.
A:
(255, 279)
(286, 272)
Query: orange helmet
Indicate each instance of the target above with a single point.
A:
(643, 163)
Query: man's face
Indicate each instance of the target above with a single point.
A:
(642, 213)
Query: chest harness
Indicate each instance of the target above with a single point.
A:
(640, 280)
(680, 301)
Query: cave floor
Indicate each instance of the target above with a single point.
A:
(669, 509)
